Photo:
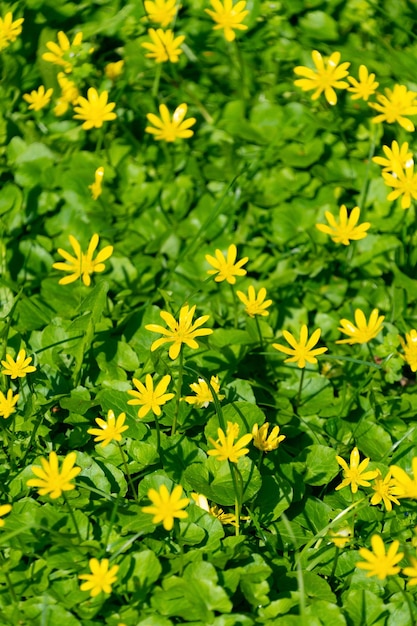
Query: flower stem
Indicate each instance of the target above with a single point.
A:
(407, 599)
(71, 512)
(158, 436)
(234, 306)
(155, 86)
(258, 326)
(238, 489)
(178, 395)
(297, 402)
(129, 478)
(371, 352)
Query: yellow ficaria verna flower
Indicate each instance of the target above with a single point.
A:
(265, 442)
(354, 474)
(94, 109)
(411, 571)
(38, 98)
(363, 331)
(228, 17)
(169, 130)
(18, 368)
(397, 157)
(164, 46)
(52, 481)
(384, 489)
(379, 562)
(225, 448)
(166, 506)
(101, 578)
(395, 106)
(63, 52)
(95, 187)
(405, 487)
(203, 395)
(4, 510)
(161, 11)
(301, 351)
(226, 268)
(347, 228)
(114, 70)
(364, 87)
(325, 78)
(148, 397)
(177, 333)
(69, 94)
(224, 518)
(110, 430)
(410, 349)
(404, 183)
(7, 403)
(9, 29)
(255, 304)
(82, 265)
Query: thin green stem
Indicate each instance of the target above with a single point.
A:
(407, 599)
(258, 326)
(300, 577)
(371, 352)
(155, 86)
(178, 394)
(111, 522)
(158, 436)
(238, 489)
(71, 512)
(336, 558)
(260, 459)
(129, 478)
(234, 306)
(300, 388)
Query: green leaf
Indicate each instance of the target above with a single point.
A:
(321, 464)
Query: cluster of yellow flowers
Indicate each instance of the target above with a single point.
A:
(395, 105)
(397, 484)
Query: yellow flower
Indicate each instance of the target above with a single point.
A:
(395, 106)
(161, 11)
(164, 46)
(148, 398)
(109, 431)
(380, 563)
(166, 506)
(18, 368)
(340, 537)
(164, 128)
(7, 403)
(203, 393)
(95, 187)
(38, 99)
(225, 448)
(177, 333)
(301, 351)
(214, 510)
(265, 442)
(384, 489)
(404, 183)
(355, 475)
(405, 486)
(94, 109)
(363, 331)
(397, 157)
(325, 78)
(4, 509)
(9, 29)
(114, 70)
(346, 229)
(410, 348)
(365, 86)
(82, 265)
(411, 572)
(50, 480)
(226, 268)
(228, 17)
(63, 52)
(254, 304)
(101, 578)
(69, 94)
